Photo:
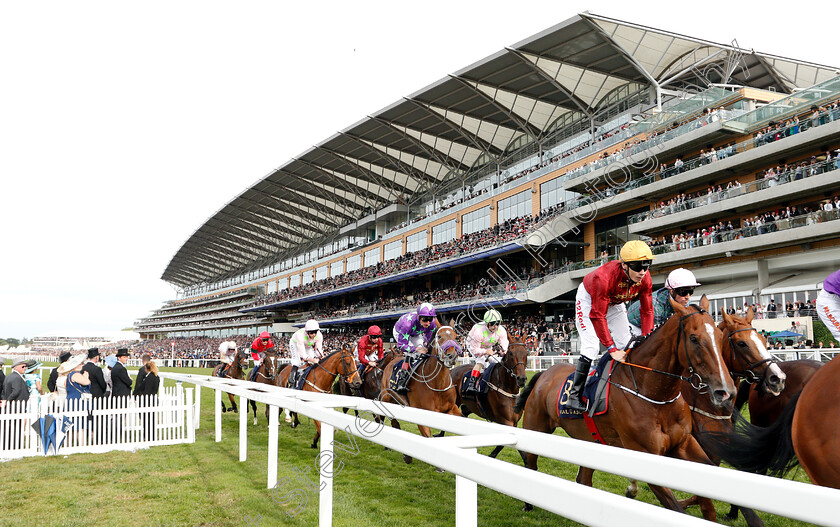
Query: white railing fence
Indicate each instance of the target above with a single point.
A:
(94, 425)
(458, 455)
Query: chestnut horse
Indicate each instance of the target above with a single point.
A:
(430, 386)
(765, 408)
(321, 378)
(266, 374)
(647, 412)
(371, 380)
(505, 381)
(746, 357)
(236, 371)
(807, 432)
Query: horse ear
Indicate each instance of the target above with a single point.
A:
(704, 303)
(726, 318)
(749, 316)
(677, 307)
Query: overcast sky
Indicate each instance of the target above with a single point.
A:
(125, 125)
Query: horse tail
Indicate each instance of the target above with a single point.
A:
(743, 394)
(753, 448)
(522, 398)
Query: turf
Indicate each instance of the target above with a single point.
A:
(205, 484)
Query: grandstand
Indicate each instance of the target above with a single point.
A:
(505, 182)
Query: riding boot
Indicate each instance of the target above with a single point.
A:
(292, 382)
(402, 377)
(574, 403)
(470, 388)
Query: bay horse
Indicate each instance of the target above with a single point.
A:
(806, 433)
(430, 386)
(504, 382)
(647, 412)
(321, 378)
(266, 374)
(746, 357)
(236, 371)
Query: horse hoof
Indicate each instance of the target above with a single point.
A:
(408, 459)
(224, 409)
(255, 421)
(630, 494)
(313, 445)
(440, 470)
(387, 449)
(294, 425)
(528, 507)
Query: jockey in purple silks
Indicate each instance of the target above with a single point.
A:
(414, 333)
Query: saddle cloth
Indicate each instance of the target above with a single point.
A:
(481, 386)
(302, 380)
(596, 383)
(392, 381)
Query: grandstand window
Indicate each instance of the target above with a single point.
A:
(307, 277)
(294, 281)
(444, 232)
(271, 287)
(321, 273)
(354, 263)
(336, 268)
(416, 242)
(475, 221)
(393, 250)
(552, 193)
(515, 206)
(372, 257)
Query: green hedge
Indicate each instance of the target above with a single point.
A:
(821, 333)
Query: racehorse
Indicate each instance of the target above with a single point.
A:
(646, 409)
(765, 409)
(504, 382)
(266, 374)
(236, 371)
(321, 378)
(746, 357)
(430, 386)
(807, 431)
(371, 380)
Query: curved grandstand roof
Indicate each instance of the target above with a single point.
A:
(477, 116)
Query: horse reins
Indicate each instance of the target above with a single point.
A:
(748, 374)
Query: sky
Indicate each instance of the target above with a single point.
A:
(125, 125)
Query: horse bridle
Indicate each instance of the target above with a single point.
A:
(748, 374)
(510, 370)
(273, 375)
(343, 366)
(691, 373)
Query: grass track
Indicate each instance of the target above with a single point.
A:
(205, 484)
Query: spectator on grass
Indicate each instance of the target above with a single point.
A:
(54, 373)
(141, 373)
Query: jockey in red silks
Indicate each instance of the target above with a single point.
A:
(600, 314)
(258, 349)
(370, 349)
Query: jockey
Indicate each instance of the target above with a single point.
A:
(227, 351)
(828, 304)
(482, 342)
(600, 314)
(413, 332)
(679, 285)
(306, 346)
(370, 349)
(258, 349)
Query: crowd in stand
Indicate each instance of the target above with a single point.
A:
(508, 230)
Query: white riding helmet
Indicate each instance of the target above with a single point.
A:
(311, 325)
(232, 345)
(680, 278)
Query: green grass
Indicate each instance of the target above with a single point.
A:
(205, 484)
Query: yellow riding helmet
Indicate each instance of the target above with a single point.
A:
(635, 251)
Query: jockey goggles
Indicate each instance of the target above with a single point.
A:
(373, 336)
(312, 332)
(684, 291)
(426, 319)
(642, 265)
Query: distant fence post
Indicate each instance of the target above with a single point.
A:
(218, 415)
(326, 464)
(273, 426)
(243, 428)
(189, 422)
(197, 412)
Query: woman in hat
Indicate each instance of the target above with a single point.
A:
(76, 382)
(32, 376)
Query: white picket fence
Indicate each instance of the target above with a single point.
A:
(103, 424)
